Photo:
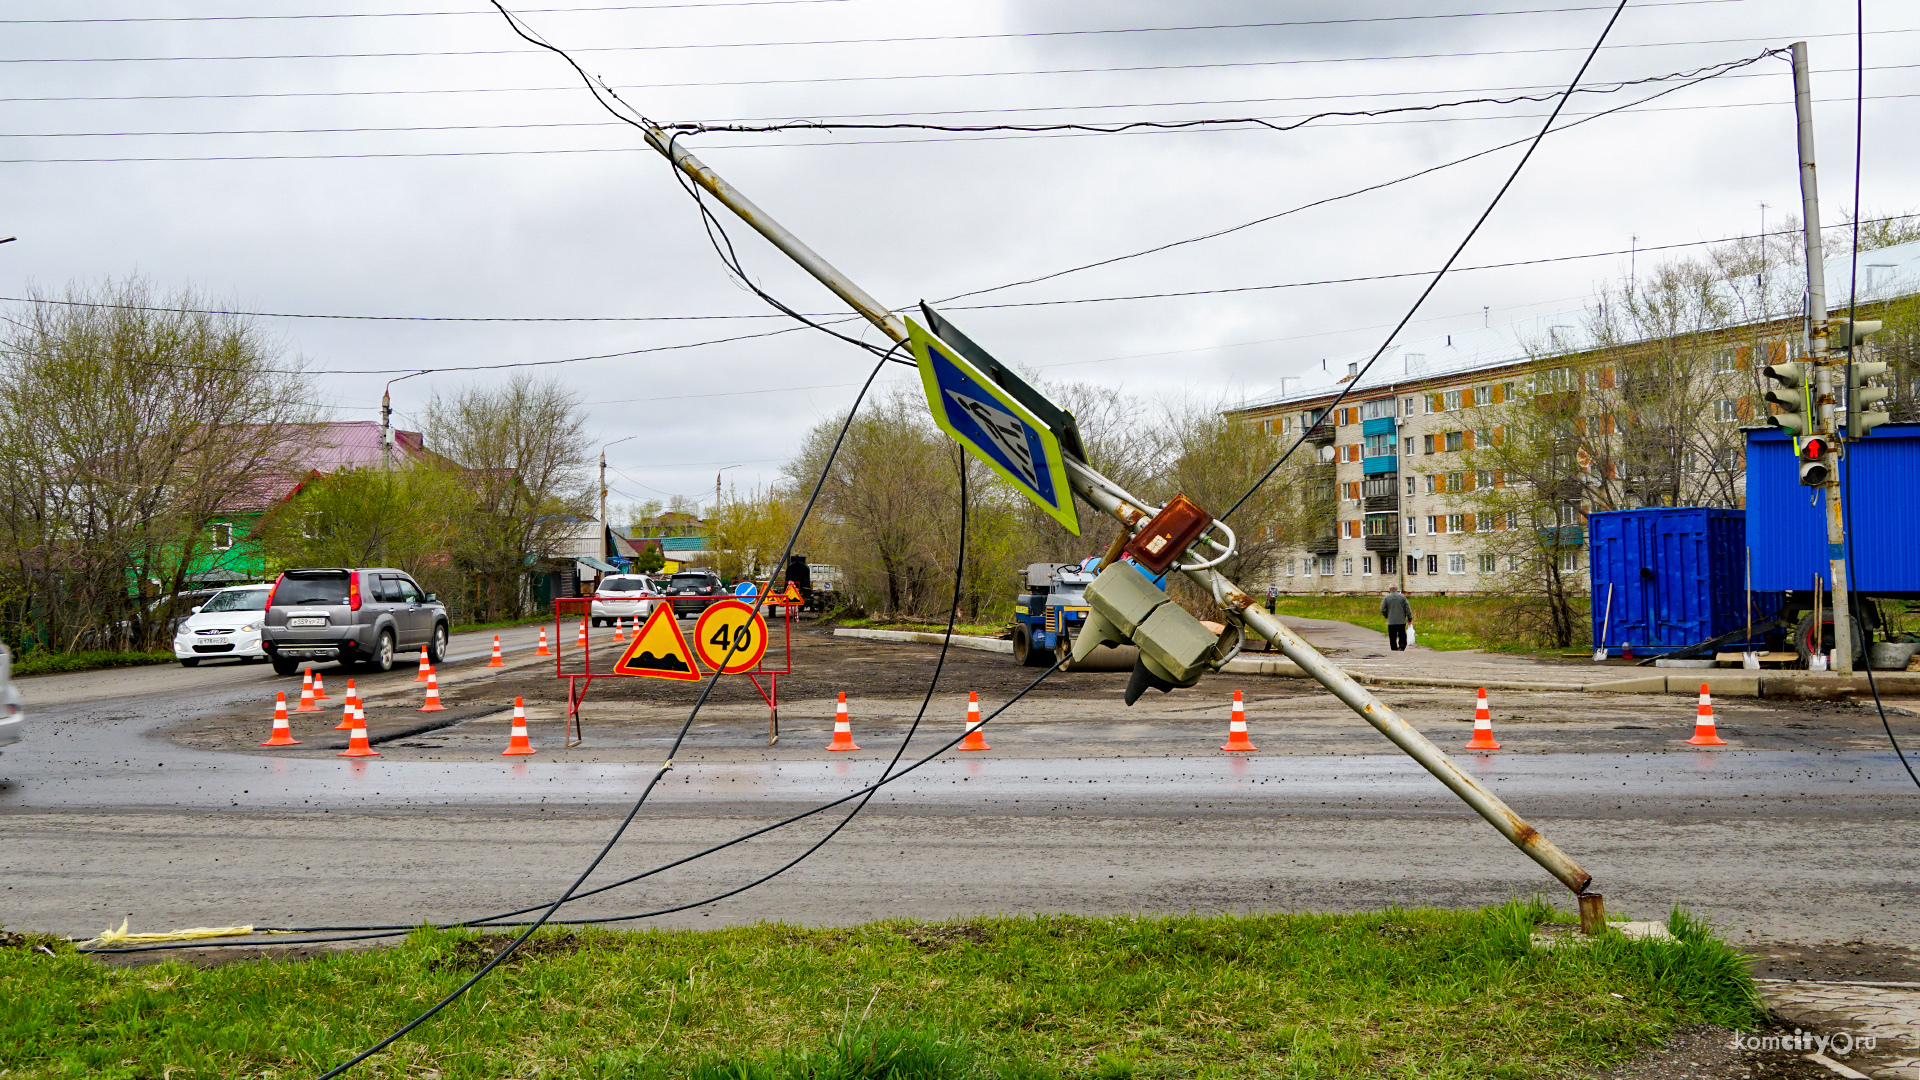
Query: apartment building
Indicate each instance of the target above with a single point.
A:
(1397, 449)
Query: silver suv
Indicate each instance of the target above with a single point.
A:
(357, 617)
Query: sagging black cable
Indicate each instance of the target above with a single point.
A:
(1853, 314)
(712, 681)
(1448, 265)
(728, 257)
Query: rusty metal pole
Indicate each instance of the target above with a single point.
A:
(1824, 421)
(1132, 513)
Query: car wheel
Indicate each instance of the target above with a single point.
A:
(1024, 652)
(382, 658)
(437, 645)
(285, 667)
(190, 663)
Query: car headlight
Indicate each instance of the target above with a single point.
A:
(250, 628)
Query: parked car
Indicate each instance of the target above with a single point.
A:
(694, 591)
(226, 624)
(12, 719)
(623, 596)
(354, 616)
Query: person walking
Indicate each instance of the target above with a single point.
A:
(1398, 613)
(1273, 596)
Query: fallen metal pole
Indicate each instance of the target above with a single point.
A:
(1112, 499)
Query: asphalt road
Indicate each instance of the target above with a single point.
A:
(105, 818)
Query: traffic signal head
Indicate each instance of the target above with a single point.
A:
(1845, 333)
(1796, 413)
(1861, 416)
(1128, 610)
(1816, 467)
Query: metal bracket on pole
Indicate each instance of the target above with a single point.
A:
(1114, 500)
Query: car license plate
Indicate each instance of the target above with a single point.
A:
(307, 621)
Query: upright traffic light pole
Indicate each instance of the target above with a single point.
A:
(1134, 513)
(1823, 402)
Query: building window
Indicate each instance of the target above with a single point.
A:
(1726, 361)
(1489, 563)
(1406, 407)
(1484, 478)
(1346, 566)
(1505, 392)
(1413, 565)
(1326, 566)
(1456, 564)
(1726, 411)
(1290, 563)
(1570, 560)
(1411, 480)
(1450, 400)
(1366, 566)
(1433, 479)
(1433, 564)
(1376, 409)
(1380, 446)
(1413, 525)
(1455, 441)
(1456, 481)
(313, 524)
(1436, 524)
(1428, 444)
(1456, 523)
(222, 536)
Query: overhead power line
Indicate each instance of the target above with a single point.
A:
(1292, 62)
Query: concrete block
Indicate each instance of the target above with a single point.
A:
(1742, 684)
(1646, 684)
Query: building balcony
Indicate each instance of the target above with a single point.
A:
(1320, 434)
(1380, 504)
(1325, 545)
(1565, 536)
(1389, 542)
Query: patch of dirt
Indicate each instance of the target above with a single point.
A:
(1845, 961)
(469, 954)
(1707, 1052)
(940, 937)
(827, 941)
(214, 958)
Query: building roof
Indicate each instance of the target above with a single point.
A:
(1885, 273)
(328, 448)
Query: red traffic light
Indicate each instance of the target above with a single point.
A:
(1812, 449)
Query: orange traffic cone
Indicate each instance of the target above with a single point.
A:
(542, 650)
(306, 693)
(282, 731)
(421, 675)
(976, 739)
(1703, 732)
(619, 629)
(346, 715)
(517, 743)
(583, 633)
(842, 730)
(433, 693)
(1237, 727)
(320, 686)
(1482, 726)
(357, 738)
(496, 661)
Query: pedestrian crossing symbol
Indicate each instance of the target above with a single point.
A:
(659, 650)
(994, 425)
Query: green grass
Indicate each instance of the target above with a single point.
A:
(503, 624)
(48, 663)
(970, 629)
(1442, 622)
(1399, 993)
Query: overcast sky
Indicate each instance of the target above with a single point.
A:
(435, 165)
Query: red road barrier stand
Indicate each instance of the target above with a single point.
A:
(976, 739)
(433, 693)
(542, 650)
(518, 745)
(282, 729)
(306, 694)
(1704, 733)
(1237, 740)
(1482, 725)
(842, 728)
(357, 745)
(496, 661)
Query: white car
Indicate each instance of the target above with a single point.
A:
(623, 596)
(227, 625)
(12, 720)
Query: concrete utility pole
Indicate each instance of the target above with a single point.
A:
(1824, 367)
(1134, 514)
(606, 536)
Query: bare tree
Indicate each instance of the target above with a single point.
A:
(129, 423)
(522, 446)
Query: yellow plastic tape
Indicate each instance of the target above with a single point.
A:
(110, 936)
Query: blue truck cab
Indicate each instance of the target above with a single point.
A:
(1052, 607)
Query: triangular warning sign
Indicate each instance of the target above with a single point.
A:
(659, 650)
(1009, 435)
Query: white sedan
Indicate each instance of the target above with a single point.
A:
(623, 596)
(227, 625)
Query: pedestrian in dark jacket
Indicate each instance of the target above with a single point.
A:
(1398, 613)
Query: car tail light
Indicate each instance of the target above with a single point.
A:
(353, 590)
(275, 589)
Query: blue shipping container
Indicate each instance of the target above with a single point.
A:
(1676, 575)
(1881, 474)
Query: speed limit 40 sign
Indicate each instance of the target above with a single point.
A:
(730, 637)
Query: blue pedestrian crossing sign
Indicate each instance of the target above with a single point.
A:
(994, 425)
